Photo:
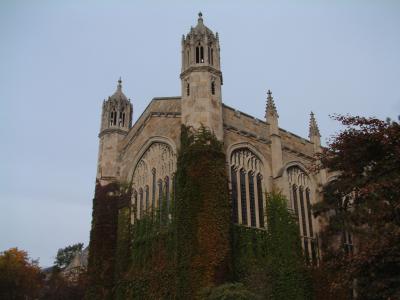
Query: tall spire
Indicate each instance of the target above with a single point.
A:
(270, 110)
(313, 128)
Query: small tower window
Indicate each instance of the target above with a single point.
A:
(187, 89)
(212, 56)
(113, 118)
(201, 54)
(213, 87)
(209, 55)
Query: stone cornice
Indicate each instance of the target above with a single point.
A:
(112, 130)
(201, 69)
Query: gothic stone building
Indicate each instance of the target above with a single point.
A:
(260, 155)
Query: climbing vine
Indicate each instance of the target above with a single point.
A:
(270, 262)
(189, 249)
(202, 213)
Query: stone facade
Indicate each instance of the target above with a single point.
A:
(260, 155)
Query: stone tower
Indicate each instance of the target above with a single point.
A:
(116, 120)
(201, 79)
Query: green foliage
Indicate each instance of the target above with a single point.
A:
(202, 213)
(65, 255)
(270, 262)
(363, 201)
(228, 291)
(20, 277)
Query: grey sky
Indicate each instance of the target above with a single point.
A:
(60, 59)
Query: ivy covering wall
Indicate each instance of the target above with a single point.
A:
(270, 262)
(192, 250)
(202, 213)
(103, 240)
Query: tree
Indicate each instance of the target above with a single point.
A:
(363, 203)
(20, 277)
(65, 255)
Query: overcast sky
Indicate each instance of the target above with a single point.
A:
(60, 59)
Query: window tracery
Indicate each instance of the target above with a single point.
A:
(247, 188)
(300, 203)
(151, 178)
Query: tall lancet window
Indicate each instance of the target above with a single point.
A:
(247, 188)
(151, 178)
(300, 202)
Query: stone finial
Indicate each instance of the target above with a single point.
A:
(270, 108)
(119, 86)
(200, 19)
(313, 128)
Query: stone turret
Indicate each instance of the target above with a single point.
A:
(201, 79)
(116, 120)
(271, 116)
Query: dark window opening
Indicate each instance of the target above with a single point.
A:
(167, 196)
(260, 201)
(234, 195)
(213, 87)
(197, 55)
(140, 203)
(153, 194)
(303, 213)
(147, 198)
(243, 196)
(201, 54)
(160, 198)
(294, 190)
(252, 201)
(310, 224)
(187, 89)
(212, 56)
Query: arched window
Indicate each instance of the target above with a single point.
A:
(213, 87)
(247, 188)
(151, 176)
(300, 194)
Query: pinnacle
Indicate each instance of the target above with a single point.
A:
(313, 127)
(270, 108)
